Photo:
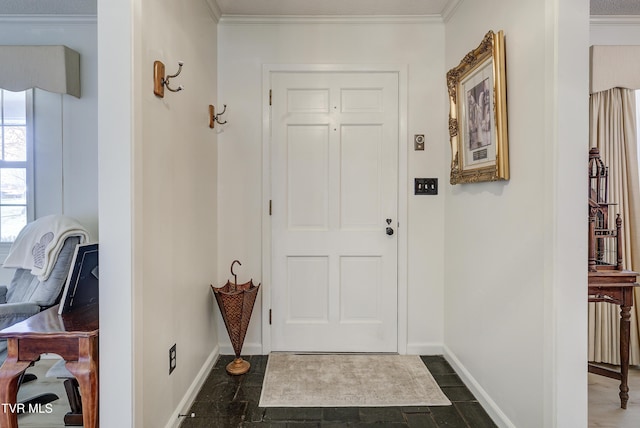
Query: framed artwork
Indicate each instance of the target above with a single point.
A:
(478, 114)
(81, 288)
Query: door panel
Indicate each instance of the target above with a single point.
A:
(360, 171)
(308, 155)
(360, 289)
(308, 293)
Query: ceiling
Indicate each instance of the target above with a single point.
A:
(385, 7)
(615, 7)
(300, 7)
(48, 7)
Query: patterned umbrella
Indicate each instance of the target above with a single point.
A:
(236, 304)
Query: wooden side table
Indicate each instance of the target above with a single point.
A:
(616, 286)
(73, 336)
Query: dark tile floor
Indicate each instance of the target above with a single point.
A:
(227, 401)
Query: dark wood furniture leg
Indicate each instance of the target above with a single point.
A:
(73, 417)
(625, 334)
(10, 373)
(86, 372)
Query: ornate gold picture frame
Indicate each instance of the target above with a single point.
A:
(478, 114)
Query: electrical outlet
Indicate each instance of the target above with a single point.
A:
(172, 358)
(418, 142)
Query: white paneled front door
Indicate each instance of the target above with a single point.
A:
(334, 187)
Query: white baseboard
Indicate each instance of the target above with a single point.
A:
(191, 394)
(426, 348)
(247, 349)
(490, 406)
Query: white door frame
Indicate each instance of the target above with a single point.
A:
(403, 187)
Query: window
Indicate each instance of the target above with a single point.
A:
(16, 172)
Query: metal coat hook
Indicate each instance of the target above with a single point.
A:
(214, 118)
(160, 81)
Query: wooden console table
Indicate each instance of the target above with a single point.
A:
(616, 286)
(73, 336)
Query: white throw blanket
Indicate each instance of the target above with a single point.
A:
(38, 244)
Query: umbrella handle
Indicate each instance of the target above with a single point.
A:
(234, 275)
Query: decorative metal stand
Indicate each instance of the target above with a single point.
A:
(236, 304)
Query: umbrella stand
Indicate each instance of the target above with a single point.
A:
(236, 304)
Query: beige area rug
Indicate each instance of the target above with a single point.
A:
(360, 380)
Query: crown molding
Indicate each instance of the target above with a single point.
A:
(450, 9)
(614, 20)
(215, 9)
(48, 19)
(330, 19)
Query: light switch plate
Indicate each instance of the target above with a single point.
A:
(418, 142)
(425, 186)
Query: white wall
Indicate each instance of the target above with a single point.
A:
(244, 46)
(120, 382)
(515, 252)
(177, 203)
(612, 31)
(158, 220)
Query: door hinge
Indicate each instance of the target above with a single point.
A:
(269, 316)
(270, 206)
(270, 93)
